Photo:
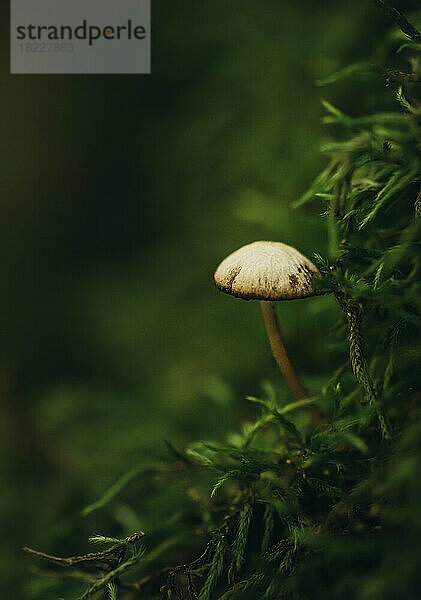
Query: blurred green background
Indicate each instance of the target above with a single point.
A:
(120, 195)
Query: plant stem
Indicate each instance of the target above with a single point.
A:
(358, 361)
(279, 352)
(400, 19)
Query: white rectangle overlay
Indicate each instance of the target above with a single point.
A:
(80, 36)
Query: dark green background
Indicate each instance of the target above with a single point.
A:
(120, 195)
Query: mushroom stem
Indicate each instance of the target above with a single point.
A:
(279, 352)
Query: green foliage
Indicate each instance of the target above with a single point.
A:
(400, 19)
(110, 564)
(112, 590)
(281, 510)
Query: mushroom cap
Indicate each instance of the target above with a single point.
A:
(267, 271)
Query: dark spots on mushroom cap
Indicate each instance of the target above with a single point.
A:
(301, 284)
(307, 270)
(309, 273)
(293, 280)
(231, 277)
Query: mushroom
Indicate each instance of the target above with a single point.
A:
(268, 272)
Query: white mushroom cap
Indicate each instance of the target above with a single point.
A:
(266, 271)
